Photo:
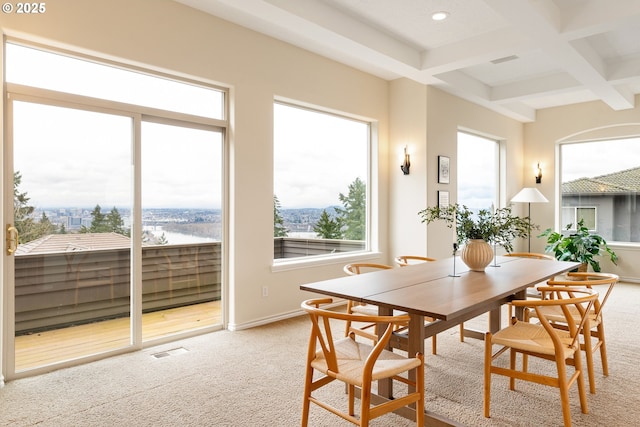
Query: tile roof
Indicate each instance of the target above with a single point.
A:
(74, 242)
(614, 183)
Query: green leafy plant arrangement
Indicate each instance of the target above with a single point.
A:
(581, 246)
(499, 227)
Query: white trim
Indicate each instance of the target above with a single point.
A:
(321, 260)
(277, 318)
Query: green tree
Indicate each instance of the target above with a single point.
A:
(327, 227)
(28, 228)
(279, 229)
(98, 223)
(115, 222)
(45, 226)
(354, 215)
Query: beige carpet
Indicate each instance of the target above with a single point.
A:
(254, 378)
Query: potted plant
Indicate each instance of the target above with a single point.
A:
(497, 226)
(581, 246)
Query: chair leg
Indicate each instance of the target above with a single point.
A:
(365, 401)
(461, 332)
(351, 392)
(486, 401)
(512, 366)
(420, 386)
(434, 345)
(564, 392)
(577, 364)
(307, 395)
(603, 350)
(588, 350)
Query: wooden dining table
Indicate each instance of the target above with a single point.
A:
(445, 290)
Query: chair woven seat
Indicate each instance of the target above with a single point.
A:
(352, 355)
(531, 337)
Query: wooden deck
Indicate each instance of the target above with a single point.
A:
(43, 348)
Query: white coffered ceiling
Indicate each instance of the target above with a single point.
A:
(513, 56)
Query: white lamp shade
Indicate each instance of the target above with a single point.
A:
(529, 195)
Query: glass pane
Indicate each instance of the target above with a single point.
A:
(477, 171)
(312, 215)
(72, 203)
(602, 178)
(588, 215)
(568, 217)
(81, 77)
(182, 229)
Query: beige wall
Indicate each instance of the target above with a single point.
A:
(407, 193)
(168, 36)
(577, 122)
(429, 119)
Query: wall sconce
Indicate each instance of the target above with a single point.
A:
(407, 162)
(538, 175)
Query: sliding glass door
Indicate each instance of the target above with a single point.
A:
(113, 209)
(181, 229)
(70, 240)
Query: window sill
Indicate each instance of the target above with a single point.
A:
(316, 261)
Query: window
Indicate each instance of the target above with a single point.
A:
(321, 181)
(83, 77)
(600, 181)
(477, 171)
(121, 178)
(571, 216)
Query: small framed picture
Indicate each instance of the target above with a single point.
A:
(443, 170)
(443, 199)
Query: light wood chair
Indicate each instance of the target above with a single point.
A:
(358, 365)
(368, 330)
(405, 260)
(544, 341)
(594, 338)
(530, 292)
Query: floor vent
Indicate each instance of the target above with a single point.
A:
(172, 352)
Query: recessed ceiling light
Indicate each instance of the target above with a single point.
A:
(440, 16)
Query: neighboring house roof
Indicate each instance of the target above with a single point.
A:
(74, 242)
(614, 183)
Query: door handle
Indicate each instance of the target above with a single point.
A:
(12, 239)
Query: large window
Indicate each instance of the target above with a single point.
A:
(321, 182)
(477, 171)
(115, 179)
(600, 181)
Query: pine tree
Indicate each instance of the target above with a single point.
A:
(115, 222)
(98, 223)
(279, 229)
(22, 211)
(354, 215)
(327, 227)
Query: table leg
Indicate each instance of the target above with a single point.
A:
(415, 340)
(415, 344)
(385, 386)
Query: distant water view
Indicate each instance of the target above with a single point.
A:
(174, 238)
(181, 226)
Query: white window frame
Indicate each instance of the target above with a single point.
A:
(370, 250)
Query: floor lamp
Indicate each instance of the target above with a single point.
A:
(529, 195)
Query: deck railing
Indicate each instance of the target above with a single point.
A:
(59, 289)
